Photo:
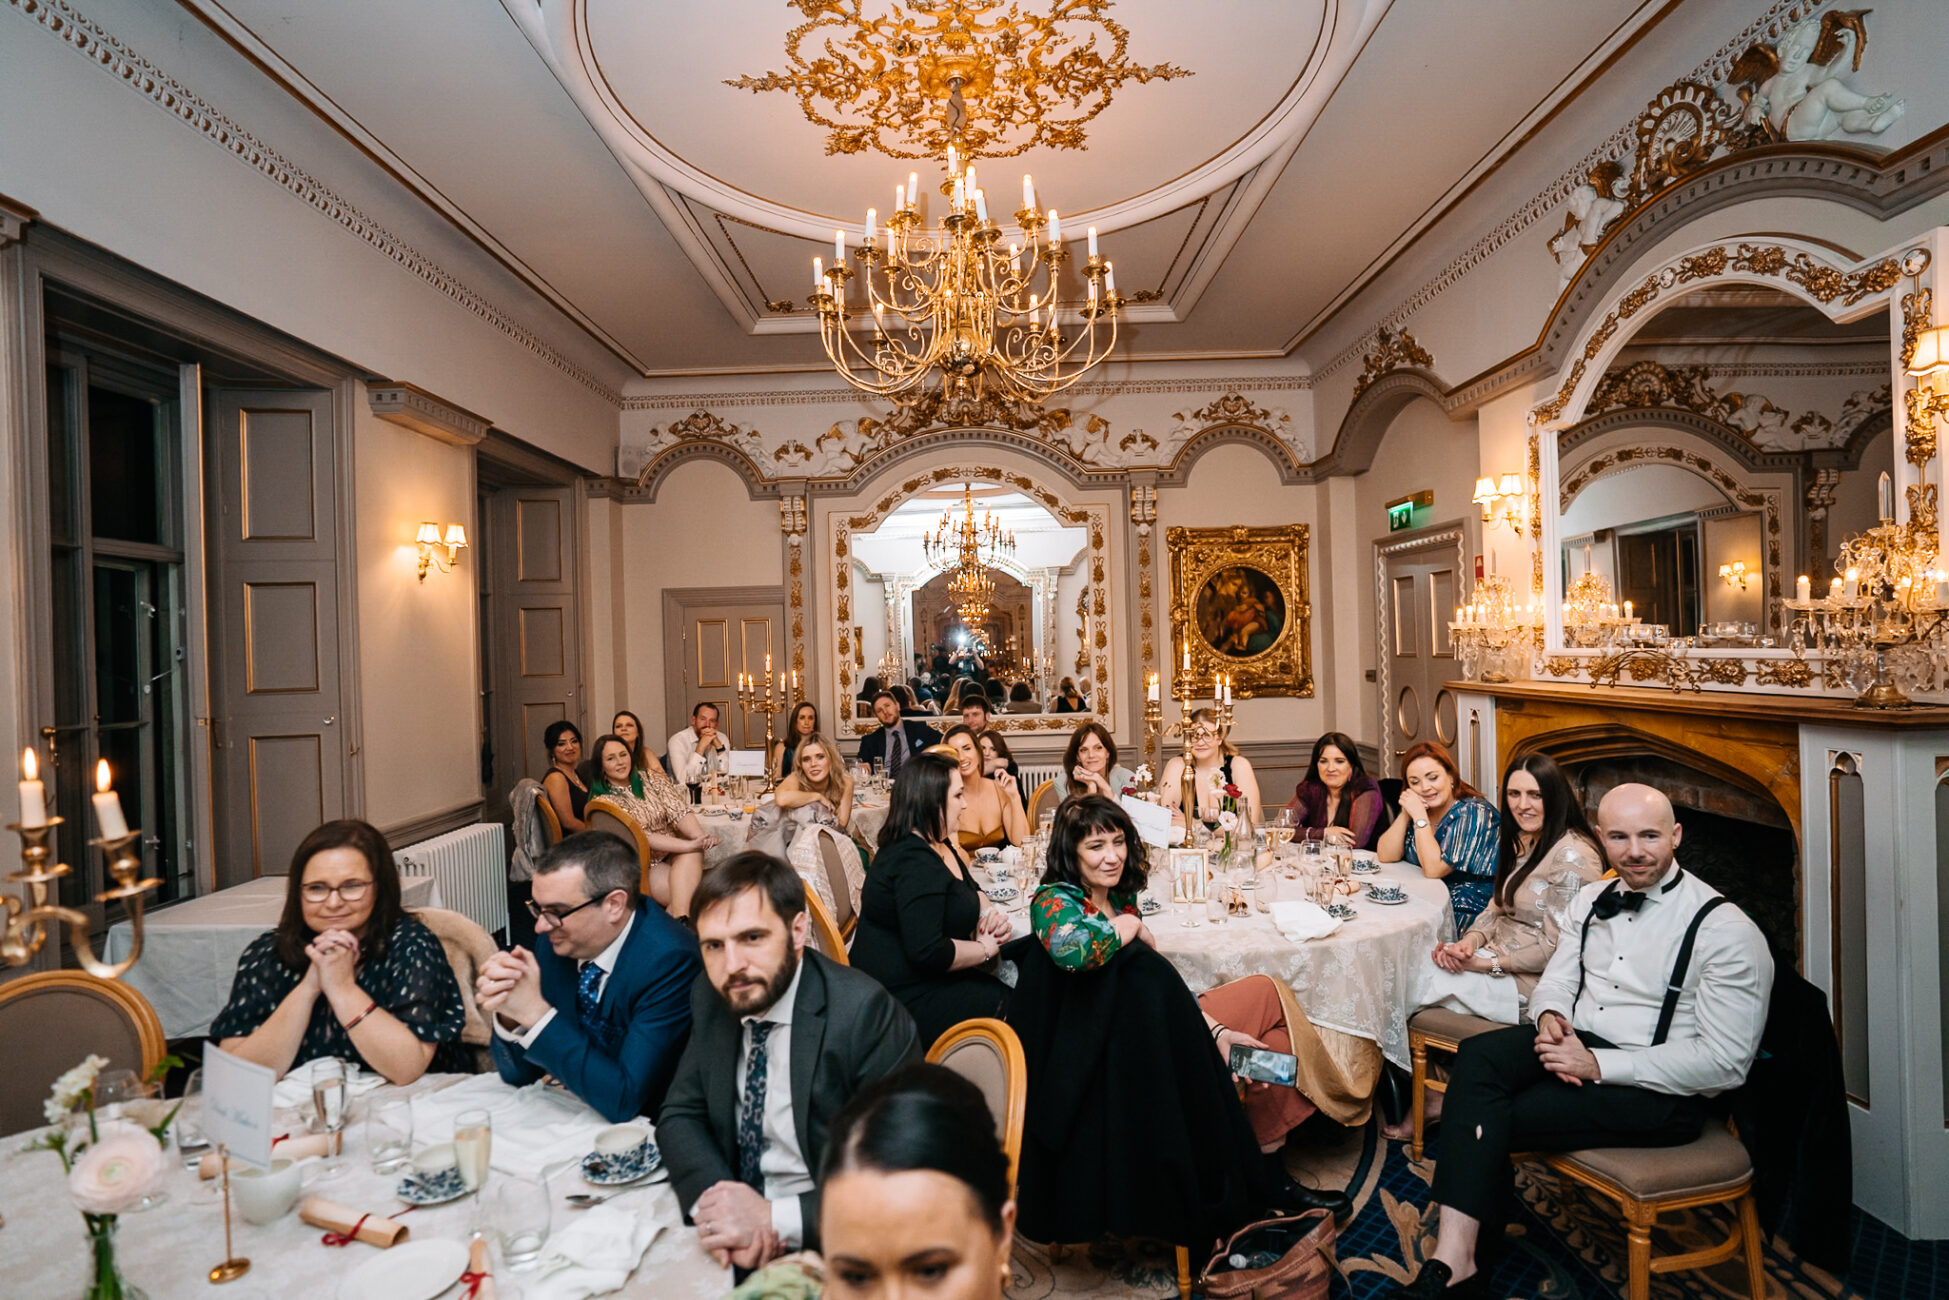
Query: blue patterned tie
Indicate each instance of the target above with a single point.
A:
(588, 992)
(751, 1109)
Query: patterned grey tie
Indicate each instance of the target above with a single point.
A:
(896, 750)
(751, 1108)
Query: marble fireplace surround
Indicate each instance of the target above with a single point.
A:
(1866, 793)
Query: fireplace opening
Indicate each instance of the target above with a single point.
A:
(1736, 840)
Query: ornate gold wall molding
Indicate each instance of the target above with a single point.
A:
(1650, 385)
(1392, 351)
(791, 522)
(1143, 517)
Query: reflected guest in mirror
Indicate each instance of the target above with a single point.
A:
(562, 784)
(921, 691)
(869, 688)
(898, 738)
(803, 722)
(1445, 828)
(1089, 766)
(991, 814)
(996, 760)
(974, 709)
(1068, 698)
(1022, 700)
(1336, 802)
(1217, 769)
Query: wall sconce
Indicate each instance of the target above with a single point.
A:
(1734, 574)
(1929, 364)
(429, 537)
(1503, 503)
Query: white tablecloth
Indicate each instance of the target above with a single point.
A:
(190, 949)
(168, 1251)
(864, 828)
(1357, 980)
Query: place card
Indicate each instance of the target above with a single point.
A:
(237, 1106)
(1189, 870)
(744, 762)
(1153, 821)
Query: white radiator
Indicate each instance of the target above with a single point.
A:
(1033, 775)
(471, 868)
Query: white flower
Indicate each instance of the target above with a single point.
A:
(68, 1088)
(1228, 820)
(117, 1171)
(1143, 774)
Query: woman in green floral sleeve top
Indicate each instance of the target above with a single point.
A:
(1083, 924)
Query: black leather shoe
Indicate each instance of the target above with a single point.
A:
(1297, 1198)
(1432, 1283)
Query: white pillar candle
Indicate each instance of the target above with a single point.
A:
(981, 205)
(1055, 228)
(1851, 588)
(108, 805)
(1885, 495)
(818, 275)
(1803, 590)
(838, 249)
(1110, 277)
(1153, 676)
(1187, 656)
(872, 216)
(1627, 609)
(1028, 195)
(33, 793)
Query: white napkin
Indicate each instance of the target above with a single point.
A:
(1300, 920)
(293, 1091)
(594, 1255)
(534, 1127)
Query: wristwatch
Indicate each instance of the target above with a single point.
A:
(1495, 967)
(1421, 823)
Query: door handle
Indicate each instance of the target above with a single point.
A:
(329, 721)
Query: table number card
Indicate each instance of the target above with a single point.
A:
(1189, 867)
(744, 762)
(1153, 821)
(237, 1105)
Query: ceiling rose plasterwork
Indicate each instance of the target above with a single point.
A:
(908, 81)
(1767, 425)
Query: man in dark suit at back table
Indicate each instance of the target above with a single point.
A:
(604, 1006)
(782, 1039)
(898, 738)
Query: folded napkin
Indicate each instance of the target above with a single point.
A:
(1299, 920)
(534, 1127)
(593, 1256)
(294, 1089)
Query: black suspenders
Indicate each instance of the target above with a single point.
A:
(1679, 967)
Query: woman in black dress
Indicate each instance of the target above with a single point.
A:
(925, 931)
(347, 973)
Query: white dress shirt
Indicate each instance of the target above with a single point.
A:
(1628, 959)
(686, 763)
(604, 960)
(782, 1164)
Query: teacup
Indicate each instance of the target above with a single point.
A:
(266, 1195)
(1386, 893)
(436, 1172)
(624, 1150)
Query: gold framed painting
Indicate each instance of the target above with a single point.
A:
(1240, 605)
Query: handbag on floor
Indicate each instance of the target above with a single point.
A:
(1287, 1258)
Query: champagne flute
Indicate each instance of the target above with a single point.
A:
(328, 1094)
(473, 1146)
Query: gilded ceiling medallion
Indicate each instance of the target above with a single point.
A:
(993, 80)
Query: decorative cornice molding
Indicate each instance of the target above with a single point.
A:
(416, 409)
(851, 396)
(95, 43)
(15, 217)
(1751, 416)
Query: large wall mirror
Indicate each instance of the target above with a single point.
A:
(981, 575)
(1730, 442)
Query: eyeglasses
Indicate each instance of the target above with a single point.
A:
(350, 891)
(549, 914)
(1204, 733)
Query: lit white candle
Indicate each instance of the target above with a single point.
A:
(1458, 613)
(1627, 609)
(1035, 313)
(1803, 589)
(818, 275)
(1028, 205)
(953, 160)
(913, 189)
(981, 204)
(108, 805)
(33, 792)
(960, 194)
(899, 197)
(1187, 656)
(1153, 676)
(973, 187)
(1852, 587)
(838, 249)
(1885, 495)
(872, 217)
(1055, 228)
(1110, 277)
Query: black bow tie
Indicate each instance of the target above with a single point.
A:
(1611, 902)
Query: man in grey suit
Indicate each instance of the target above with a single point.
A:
(781, 1038)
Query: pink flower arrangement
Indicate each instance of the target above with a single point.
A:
(114, 1172)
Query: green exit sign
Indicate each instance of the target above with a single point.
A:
(1410, 511)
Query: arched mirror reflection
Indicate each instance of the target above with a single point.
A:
(982, 589)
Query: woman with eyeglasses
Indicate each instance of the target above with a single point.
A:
(347, 972)
(1219, 772)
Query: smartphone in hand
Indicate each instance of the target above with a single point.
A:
(1262, 1065)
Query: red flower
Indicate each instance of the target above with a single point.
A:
(1232, 791)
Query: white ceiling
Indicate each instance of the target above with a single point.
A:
(592, 146)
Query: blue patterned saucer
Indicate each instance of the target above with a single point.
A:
(615, 1171)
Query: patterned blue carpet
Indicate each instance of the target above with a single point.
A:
(1563, 1242)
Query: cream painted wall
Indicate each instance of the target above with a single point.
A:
(419, 657)
(1423, 448)
(703, 530)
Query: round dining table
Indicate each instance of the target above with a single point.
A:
(169, 1249)
(730, 827)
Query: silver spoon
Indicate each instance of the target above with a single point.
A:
(584, 1201)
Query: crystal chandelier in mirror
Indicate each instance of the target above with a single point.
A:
(966, 546)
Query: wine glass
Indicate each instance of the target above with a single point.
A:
(328, 1097)
(188, 1128)
(1185, 894)
(473, 1146)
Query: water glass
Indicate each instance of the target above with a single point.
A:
(518, 1210)
(473, 1146)
(389, 1133)
(328, 1101)
(188, 1128)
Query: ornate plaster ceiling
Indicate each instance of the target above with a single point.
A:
(593, 148)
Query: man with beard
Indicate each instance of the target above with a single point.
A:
(781, 1039)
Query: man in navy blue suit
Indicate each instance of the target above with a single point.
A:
(605, 1005)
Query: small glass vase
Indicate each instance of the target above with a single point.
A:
(105, 1280)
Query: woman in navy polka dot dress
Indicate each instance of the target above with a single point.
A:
(347, 972)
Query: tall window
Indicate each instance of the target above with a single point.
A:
(117, 613)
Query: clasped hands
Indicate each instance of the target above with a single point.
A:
(734, 1225)
(334, 965)
(991, 932)
(509, 985)
(1457, 957)
(1563, 1053)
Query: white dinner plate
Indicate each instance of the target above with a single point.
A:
(413, 1270)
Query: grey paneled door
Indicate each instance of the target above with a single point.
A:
(536, 653)
(1420, 594)
(280, 744)
(710, 643)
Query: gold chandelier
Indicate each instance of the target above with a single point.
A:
(971, 545)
